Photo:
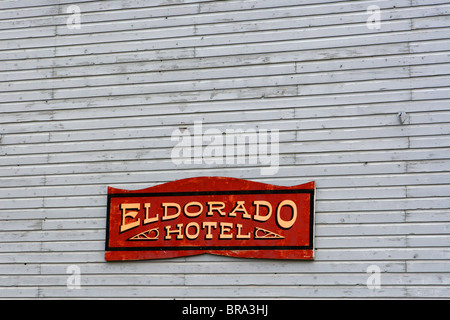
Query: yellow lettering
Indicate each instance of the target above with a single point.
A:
(239, 235)
(189, 235)
(216, 206)
(240, 208)
(286, 224)
(209, 226)
(225, 230)
(148, 220)
(166, 216)
(257, 215)
(192, 214)
(177, 231)
(134, 210)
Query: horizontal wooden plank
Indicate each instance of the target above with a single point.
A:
(326, 193)
(158, 82)
(52, 213)
(115, 292)
(382, 254)
(383, 229)
(19, 292)
(183, 35)
(153, 77)
(10, 4)
(52, 10)
(287, 42)
(53, 246)
(234, 86)
(367, 180)
(18, 269)
(341, 137)
(275, 18)
(229, 292)
(325, 279)
(55, 235)
(396, 241)
(427, 266)
(26, 225)
(346, 170)
(231, 62)
(225, 266)
(380, 126)
(29, 12)
(226, 280)
(227, 99)
(222, 73)
(371, 156)
(345, 41)
(89, 280)
(115, 10)
(173, 59)
(356, 171)
(424, 142)
(20, 247)
(428, 241)
(427, 215)
(76, 224)
(162, 147)
(137, 179)
(424, 94)
(428, 191)
(147, 117)
(213, 110)
(323, 242)
(386, 204)
(218, 6)
(72, 230)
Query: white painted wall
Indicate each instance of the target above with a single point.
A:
(83, 109)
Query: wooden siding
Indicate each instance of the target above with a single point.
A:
(83, 109)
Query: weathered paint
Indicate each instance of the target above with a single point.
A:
(222, 216)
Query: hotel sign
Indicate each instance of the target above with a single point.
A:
(222, 216)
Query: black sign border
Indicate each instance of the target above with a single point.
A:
(310, 246)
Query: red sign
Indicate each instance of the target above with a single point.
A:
(223, 216)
